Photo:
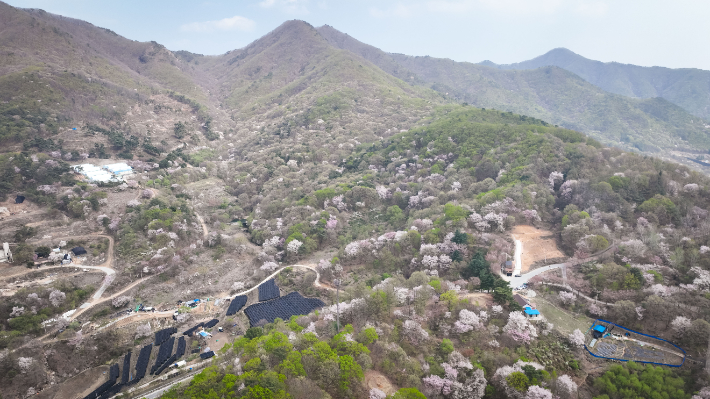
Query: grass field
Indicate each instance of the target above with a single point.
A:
(564, 321)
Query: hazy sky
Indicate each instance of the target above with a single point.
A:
(672, 33)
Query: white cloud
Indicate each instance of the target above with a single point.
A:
(227, 24)
(287, 6)
(459, 7)
(399, 10)
(592, 8)
(522, 6)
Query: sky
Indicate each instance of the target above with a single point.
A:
(670, 33)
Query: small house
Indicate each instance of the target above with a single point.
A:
(598, 331)
(507, 268)
(531, 313)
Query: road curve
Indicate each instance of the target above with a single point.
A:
(317, 283)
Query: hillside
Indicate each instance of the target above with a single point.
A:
(552, 94)
(309, 217)
(689, 88)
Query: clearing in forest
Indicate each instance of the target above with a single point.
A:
(375, 379)
(538, 246)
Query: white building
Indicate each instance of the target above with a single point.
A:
(108, 173)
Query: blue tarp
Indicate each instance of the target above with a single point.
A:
(532, 312)
(599, 328)
(204, 334)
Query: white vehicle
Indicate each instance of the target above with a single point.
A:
(149, 309)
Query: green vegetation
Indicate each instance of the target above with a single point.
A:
(636, 381)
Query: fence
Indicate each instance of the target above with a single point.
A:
(636, 332)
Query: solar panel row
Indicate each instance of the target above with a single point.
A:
(163, 335)
(126, 368)
(193, 329)
(236, 305)
(283, 308)
(268, 290)
(211, 323)
(207, 355)
(163, 354)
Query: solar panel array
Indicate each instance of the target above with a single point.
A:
(163, 335)
(193, 329)
(142, 362)
(99, 392)
(207, 355)
(268, 290)
(211, 323)
(284, 307)
(182, 345)
(126, 368)
(163, 354)
(236, 305)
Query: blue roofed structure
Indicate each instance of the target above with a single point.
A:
(599, 328)
(531, 312)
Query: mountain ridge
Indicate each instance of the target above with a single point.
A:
(550, 93)
(688, 88)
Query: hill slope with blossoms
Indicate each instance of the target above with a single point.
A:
(301, 164)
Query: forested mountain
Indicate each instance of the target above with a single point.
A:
(384, 191)
(689, 88)
(552, 94)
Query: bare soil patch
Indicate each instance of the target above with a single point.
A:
(479, 298)
(539, 246)
(81, 384)
(375, 379)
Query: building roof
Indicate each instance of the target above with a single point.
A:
(531, 312)
(599, 328)
(520, 300)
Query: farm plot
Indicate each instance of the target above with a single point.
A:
(268, 290)
(619, 343)
(283, 308)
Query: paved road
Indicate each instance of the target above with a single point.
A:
(518, 281)
(317, 283)
(518, 265)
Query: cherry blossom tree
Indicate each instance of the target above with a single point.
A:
(577, 338)
(537, 392)
(680, 325)
(120, 301)
(554, 178)
(57, 297)
(294, 246)
(597, 310)
(468, 321)
(143, 330)
(377, 394)
(531, 215)
(414, 332)
(566, 388)
(567, 298)
(519, 327)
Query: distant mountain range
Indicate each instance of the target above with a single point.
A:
(689, 88)
(550, 93)
(57, 72)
